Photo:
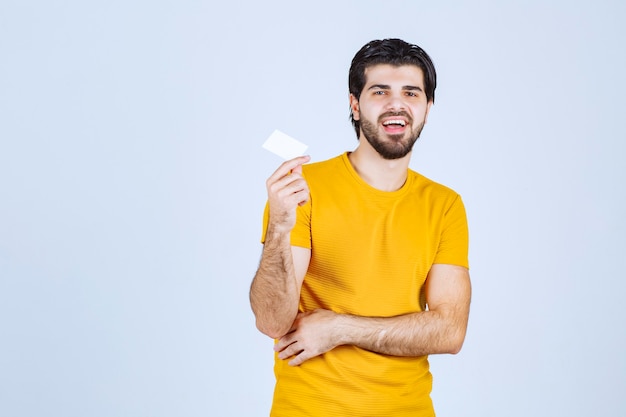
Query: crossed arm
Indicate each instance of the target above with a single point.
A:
(301, 336)
(440, 329)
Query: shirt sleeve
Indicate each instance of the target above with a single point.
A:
(454, 243)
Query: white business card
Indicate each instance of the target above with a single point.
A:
(284, 145)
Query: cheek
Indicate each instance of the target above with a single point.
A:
(370, 113)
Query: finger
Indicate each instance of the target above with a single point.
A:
(299, 198)
(288, 166)
(289, 197)
(297, 169)
(284, 342)
(280, 345)
(299, 359)
(288, 185)
(291, 350)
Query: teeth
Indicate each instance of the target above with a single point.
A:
(394, 122)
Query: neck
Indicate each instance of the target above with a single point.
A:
(382, 174)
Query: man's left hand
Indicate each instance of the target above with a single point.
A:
(313, 333)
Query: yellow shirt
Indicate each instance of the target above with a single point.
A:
(370, 253)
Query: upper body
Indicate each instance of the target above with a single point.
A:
(371, 252)
(385, 289)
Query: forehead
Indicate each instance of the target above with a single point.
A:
(386, 74)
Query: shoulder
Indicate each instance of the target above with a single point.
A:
(424, 183)
(323, 169)
(433, 193)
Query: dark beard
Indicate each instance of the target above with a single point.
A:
(395, 148)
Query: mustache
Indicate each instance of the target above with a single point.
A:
(396, 114)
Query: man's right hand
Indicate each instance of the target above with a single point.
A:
(286, 189)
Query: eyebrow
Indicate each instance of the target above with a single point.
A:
(388, 87)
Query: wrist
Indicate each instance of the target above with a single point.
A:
(277, 233)
(365, 332)
(344, 328)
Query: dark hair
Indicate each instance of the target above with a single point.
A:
(393, 52)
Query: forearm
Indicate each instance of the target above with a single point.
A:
(275, 293)
(415, 334)
(440, 329)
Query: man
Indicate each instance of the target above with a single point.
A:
(364, 270)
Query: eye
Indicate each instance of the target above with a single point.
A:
(379, 92)
(411, 94)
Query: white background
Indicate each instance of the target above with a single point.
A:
(132, 183)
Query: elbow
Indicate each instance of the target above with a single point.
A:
(455, 343)
(273, 323)
(273, 330)
(455, 348)
(270, 323)
(454, 335)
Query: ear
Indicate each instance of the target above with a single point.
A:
(354, 106)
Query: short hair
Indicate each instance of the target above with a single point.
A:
(394, 52)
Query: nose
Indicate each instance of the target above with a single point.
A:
(395, 103)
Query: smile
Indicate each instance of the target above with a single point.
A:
(396, 122)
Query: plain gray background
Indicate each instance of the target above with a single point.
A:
(132, 183)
